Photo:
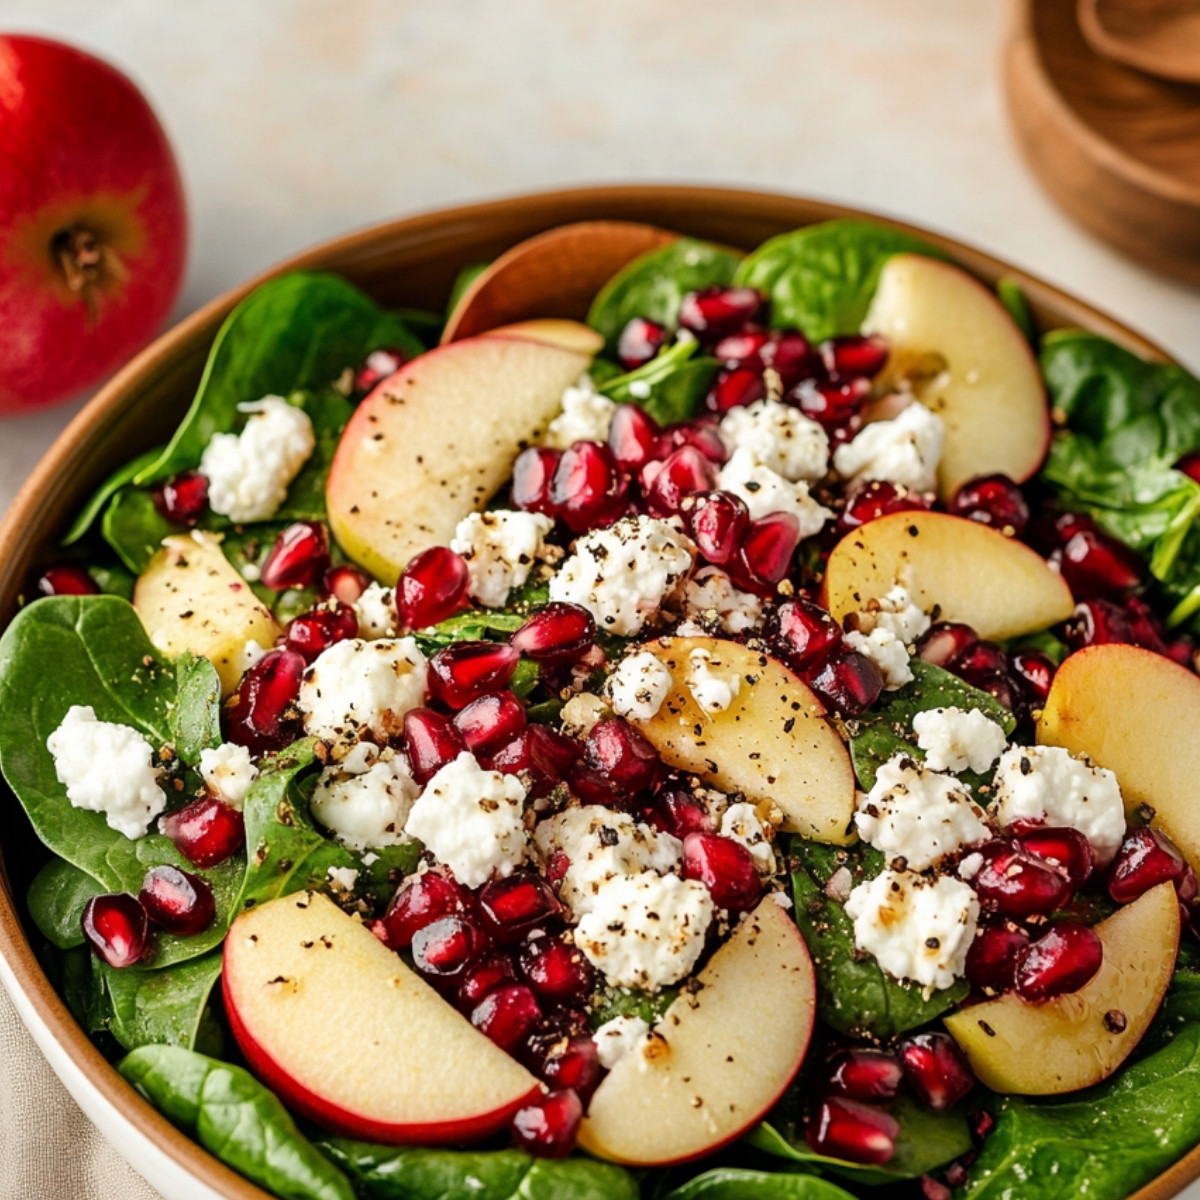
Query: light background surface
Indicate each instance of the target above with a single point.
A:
(298, 119)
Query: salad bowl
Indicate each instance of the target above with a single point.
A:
(411, 263)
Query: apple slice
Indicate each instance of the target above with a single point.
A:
(718, 1058)
(772, 743)
(434, 441)
(1138, 714)
(190, 597)
(969, 572)
(952, 342)
(1078, 1039)
(554, 331)
(335, 1023)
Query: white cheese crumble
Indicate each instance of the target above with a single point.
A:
(765, 491)
(107, 768)
(957, 739)
(638, 687)
(472, 821)
(918, 929)
(585, 417)
(582, 713)
(741, 823)
(779, 437)
(228, 771)
(249, 472)
(376, 612)
(250, 655)
(619, 1037)
(500, 549)
(622, 574)
(915, 814)
(600, 844)
(713, 684)
(905, 450)
(897, 612)
(711, 596)
(366, 807)
(342, 878)
(646, 930)
(362, 689)
(888, 653)
(1047, 782)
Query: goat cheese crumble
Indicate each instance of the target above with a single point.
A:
(897, 613)
(905, 450)
(586, 416)
(500, 549)
(741, 823)
(228, 772)
(366, 808)
(619, 1037)
(887, 652)
(765, 491)
(638, 687)
(779, 437)
(376, 612)
(957, 739)
(711, 596)
(713, 685)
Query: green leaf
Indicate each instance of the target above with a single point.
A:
(820, 279)
(854, 994)
(329, 413)
(235, 1118)
(401, 1173)
(159, 1006)
(113, 580)
(671, 387)
(196, 714)
(462, 281)
(1009, 293)
(654, 285)
(733, 1183)
(297, 332)
(629, 1002)
(133, 528)
(98, 501)
(57, 897)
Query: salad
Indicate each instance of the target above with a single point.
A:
(740, 746)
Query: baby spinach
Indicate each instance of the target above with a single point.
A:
(734, 1183)
(854, 994)
(57, 897)
(631, 1002)
(159, 1006)
(655, 284)
(402, 1173)
(196, 714)
(329, 413)
(113, 580)
(1008, 292)
(235, 1118)
(821, 278)
(1103, 1143)
(462, 281)
(297, 332)
(134, 528)
(670, 387)
(98, 501)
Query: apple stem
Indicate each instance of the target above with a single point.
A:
(85, 261)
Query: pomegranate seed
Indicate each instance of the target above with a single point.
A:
(639, 342)
(701, 434)
(863, 1074)
(588, 488)
(743, 349)
(956, 1173)
(117, 929)
(1036, 673)
(1189, 464)
(494, 969)
(420, 901)
(206, 832)
(488, 723)
(875, 498)
(177, 900)
(1050, 530)
(1015, 883)
(571, 1063)
(376, 367)
(936, 1069)
(1066, 850)
(736, 389)
(713, 312)
(998, 684)
(848, 681)
(446, 947)
(1094, 564)
(992, 500)
(981, 659)
(853, 1131)
(802, 634)
(832, 404)
(312, 633)
(1147, 857)
(431, 741)
(556, 633)
(992, 959)
(769, 546)
(789, 353)
(299, 557)
(262, 715)
(725, 867)
(344, 584)
(934, 1189)
(511, 907)
(1097, 623)
(548, 1127)
(543, 756)
(685, 472)
(623, 758)
(66, 579)
(632, 437)
(432, 588)
(557, 971)
(532, 474)
(678, 814)
(464, 671)
(1145, 628)
(717, 522)
(183, 499)
(853, 356)
(946, 643)
(1059, 962)
(507, 1015)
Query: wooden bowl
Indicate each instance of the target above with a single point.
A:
(1119, 150)
(408, 262)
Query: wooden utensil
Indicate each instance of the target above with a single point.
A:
(1161, 37)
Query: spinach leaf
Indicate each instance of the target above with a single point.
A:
(57, 897)
(297, 332)
(235, 1118)
(820, 279)
(462, 281)
(132, 526)
(854, 994)
(423, 324)
(670, 387)
(99, 499)
(82, 992)
(1103, 1143)
(113, 580)
(887, 729)
(401, 1173)
(164, 1006)
(655, 284)
(630, 1002)
(196, 714)
(733, 1183)
(1008, 292)
(329, 413)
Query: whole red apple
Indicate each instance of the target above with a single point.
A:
(93, 226)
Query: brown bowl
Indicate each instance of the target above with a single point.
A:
(407, 262)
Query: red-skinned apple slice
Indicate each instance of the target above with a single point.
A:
(971, 573)
(1138, 714)
(345, 1034)
(1081, 1038)
(554, 331)
(952, 342)
(718, 1058)
(772, 743)
(436, 440)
